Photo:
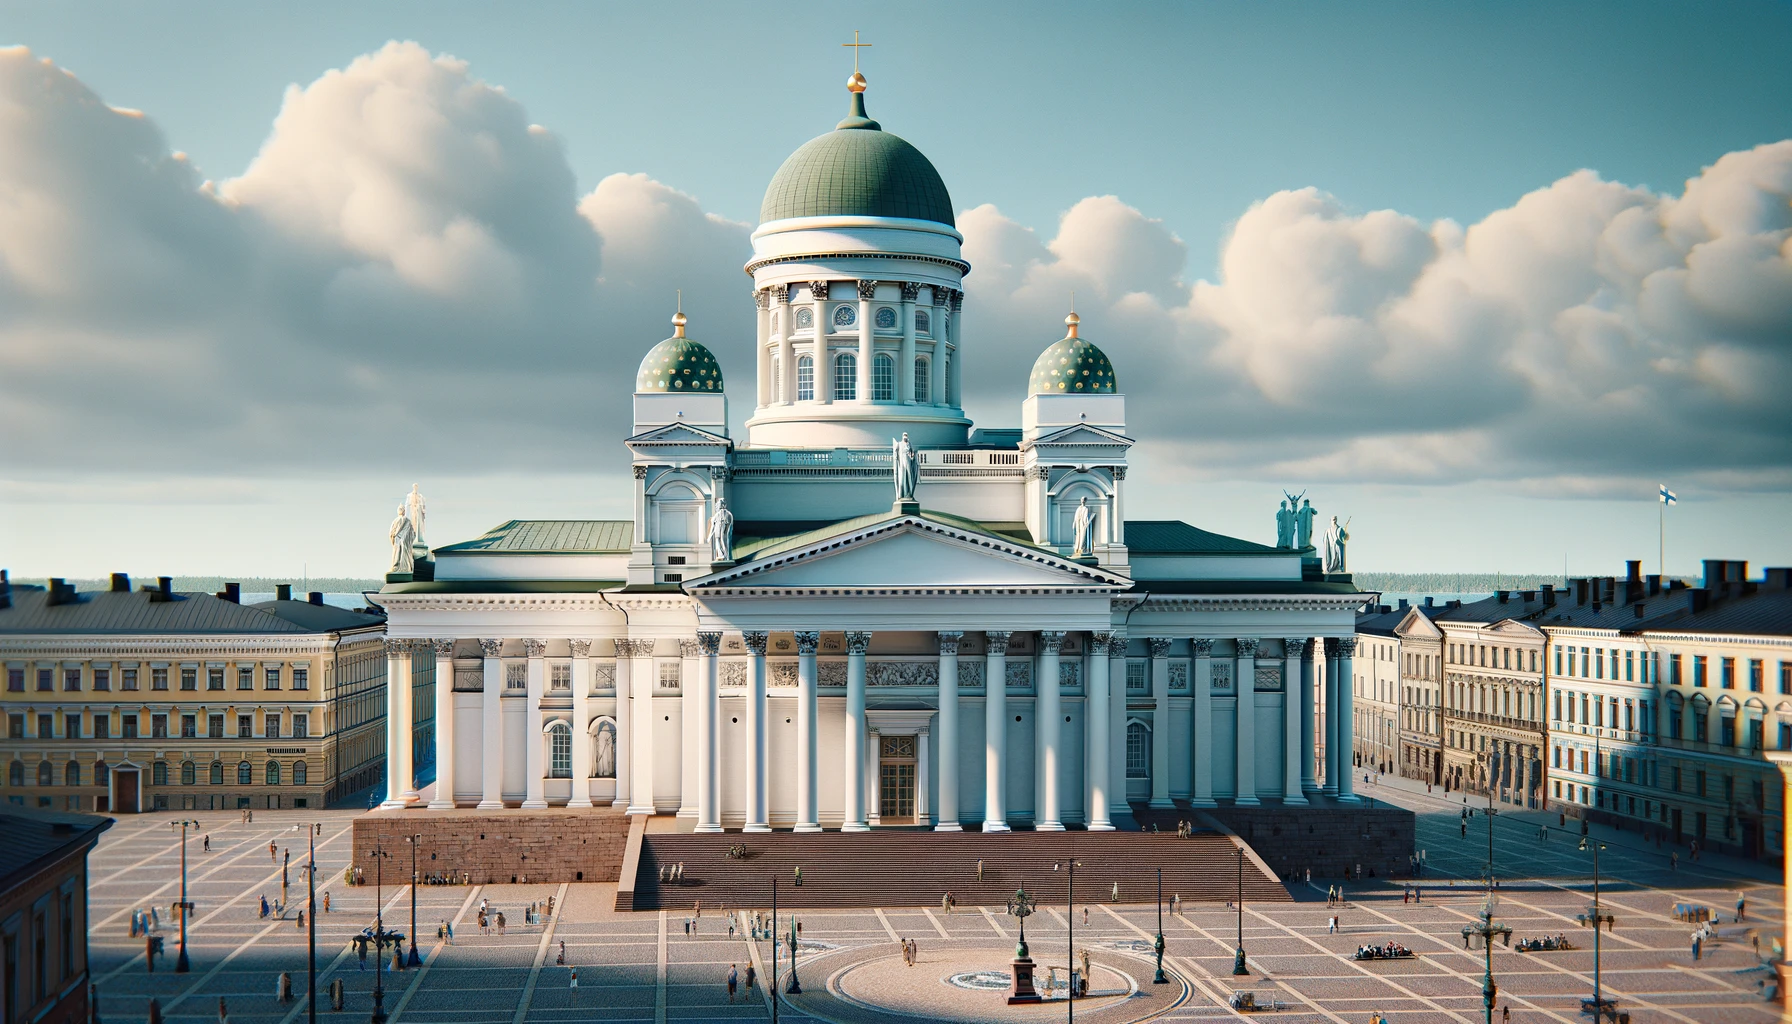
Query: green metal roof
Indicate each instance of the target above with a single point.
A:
(751, 547)
(536, 536)
(857, 170)
(679, 365)
(1173, 537)
(1072, 366)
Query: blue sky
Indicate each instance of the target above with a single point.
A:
(1189, 114)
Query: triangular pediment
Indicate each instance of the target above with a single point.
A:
(1513, 626)
(1418, 626)
(678, 434)
(910, 553)
(1082, 435)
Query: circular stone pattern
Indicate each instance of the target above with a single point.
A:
(982, 980)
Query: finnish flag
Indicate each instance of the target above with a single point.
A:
(1667, 496)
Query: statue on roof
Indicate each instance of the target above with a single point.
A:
(908, 467)
(413, 510)
(1082, 530)
(1303, 521)
(1336, 537)
(721, 533)
(1284, 526)
(401, 534)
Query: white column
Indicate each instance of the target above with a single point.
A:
(1245, 683)
(1292, 648)
(1095, 732)
(625, 732)
(824, 366)
(398, 721)
(634, 663)
(937, 331)
(690, 743)
(1346, 727)
(756, 712)
(874, 749)
(853, 819)
(444, 655)
(948, 802)
(1202, 751)
(923, 808)
(1048, 729)
(1331, 716)
(1118, 805)
(762, 305)
(995, 733)
(1309, 782)
(786, 349)
(1160, 721)
(535, 763)
(581, 722)
(491, 728)
(867, 339)
(709, 776)
(806, 816)
(955, 381)
(905, 366)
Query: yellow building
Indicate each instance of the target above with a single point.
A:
(152, 699)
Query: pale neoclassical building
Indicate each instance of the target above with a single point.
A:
(776, 639)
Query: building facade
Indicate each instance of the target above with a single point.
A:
(1421, 755)
(152, 699)
(868, 611)
(1494, 706)
(44, 921)
(1377, 728)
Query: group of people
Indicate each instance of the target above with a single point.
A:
(489, 918)
(144, 921)
(1547, 944)
(911, 952)
(673, 873)
(734, 980)
(1390, 950)
(1411, 894)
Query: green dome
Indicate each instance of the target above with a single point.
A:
(679, 364)
(1070, 367)
(857, 170)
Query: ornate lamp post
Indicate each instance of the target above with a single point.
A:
(795, 987)
(1598, 1005)
(1022, 906)
(1487, 929)
(379, 856)
(1158, 945)
(415, 841)
(774, 978)
(1238, 962)
(181, 965)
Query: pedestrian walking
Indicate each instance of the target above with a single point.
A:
(733, 982)
(1506, 1014)
(979, 869)
(273, 851)
(208, 844)
(1116, 892)
(1740, 899)
(561, 960)
(1085, 915)
(1697, 945)
(264, 906)
(1674, 860)
(223, 1012)
(1331, 925)
(575, 979)
(500, 924)
(752, 976)
(449, 927)
(361, 947)
(301, 919)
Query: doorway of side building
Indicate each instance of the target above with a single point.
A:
(127, 791)
(896, 773)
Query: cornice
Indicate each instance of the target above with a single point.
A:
(28, 645)
(991, 591)
(902, 257)
(495, 602)
(1249, 602)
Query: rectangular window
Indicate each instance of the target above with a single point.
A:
(102, 679)
(245, 677)
(189, 679)
(46, 727)
(71, 679)
(560, 677)
(46, 680)
(923, 378)
(1728, 674)
(1754, 734)
(1558, 661)
(270, 678)
(214, 678)
(189, 727)
(158, 679)
(1785, 736)
(301, 679)
(127, 679)
(214, 726)
(1757, 672)
(129, 724)
(1558, 715)
(1583, 762)
(1698, 670)
(1699, 783)
(71, 724)
(158, 727)
(15, 680)
(1674, 677)
(301, 726)
(1674, 727)
(1700, 728)
(1786, 677)
(1630, 666)
(102, 727)
(1599, 663)
(1726, 731)
(669, 675)
(1138, 676)
(245, 727)
(273, 726)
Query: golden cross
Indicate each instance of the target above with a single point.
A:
(856, 47)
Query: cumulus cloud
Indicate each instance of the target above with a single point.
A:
(406, 274)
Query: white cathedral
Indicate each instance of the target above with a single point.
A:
(824, 626)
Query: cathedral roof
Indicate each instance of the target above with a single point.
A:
(679, 365)
(536, 536)
(857, 170)
(1072, 366)
(1174, 537)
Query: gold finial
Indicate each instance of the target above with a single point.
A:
(1072, 320)
(857, 82)
(678, 317)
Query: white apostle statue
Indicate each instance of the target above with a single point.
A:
(1082, 530)
(413, 510)
(721, 533)
(604, 766)
(908, 467)
(1336, 537)
(401, 534)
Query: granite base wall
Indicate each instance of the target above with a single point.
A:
(488, 847)
(1329, 840)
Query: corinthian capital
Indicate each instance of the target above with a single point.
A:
(858, 643)
(941, 295)
(1099, 642)
(818, 289)
(949, 641)
(711, 643)
(1051, 641)
(535, 648)
(1203, 648)
(491, 648)
(1247, 646)
(998, 640)
(867, 291)
(911, 290)
(1159, 645)
(444, 648)
(1347, 646)
(755, 640)
(806, 641)
(581, 648)
(1294, 646)
(395, 647)
(762, 299)
(688, 647)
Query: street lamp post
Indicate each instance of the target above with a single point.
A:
(773, 980)
(1157, 945)
(795, 987)
(415, 841)
(181, 964)
(1487, 929)
(1070, 942)
(1238, 961)
(379, 856)
(1598, 1005)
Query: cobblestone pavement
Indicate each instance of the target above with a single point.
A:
(645, 967)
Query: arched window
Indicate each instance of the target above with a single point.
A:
(1138, 751)
(245, 775)
(101, 774)
(217, 775)
(846, 376)
(923, 321)
(676, 506)
(188, 773)
(272, 773)
(300, 773)
(886, 317)
(71, 774)
(158, 773)
(805, 317)
(15, 774)
(46, 775)
(805, 379)
(923, 379)
(883, 378)
(560, 745)
(845, 316)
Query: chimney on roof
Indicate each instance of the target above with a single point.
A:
(1639, 609)
(5, 589)
(233, 592)
(121, 583)
(1502, 595)
(1774, 579)
(1404, 604)
(1527, 596)
(1454, 604)
(1429, 601)
(282, 591)
(164, 589)
(316, 597)
(1738, 572)
(1634, 569)
(1652, 584)
(1580, 591)
(1698, 599)
(61, 592)
(1611, 589)
(1714, 572)
(1549, 595)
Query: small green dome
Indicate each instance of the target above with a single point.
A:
(1072, 366)
(857, 170)
(679, 365)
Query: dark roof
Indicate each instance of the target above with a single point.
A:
(34, 839)
(1244, 587)
(1761, 611)
(499, 587)
(581, 536)
(1173, 537)
(1379, 623)
(857, 170)
(133, 612)
(1492, 609)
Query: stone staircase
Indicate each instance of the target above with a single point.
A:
(913, 868)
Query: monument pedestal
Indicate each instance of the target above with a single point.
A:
(1022, 990)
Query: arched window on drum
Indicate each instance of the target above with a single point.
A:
(805, 379)
(883, 378)
(846, 376)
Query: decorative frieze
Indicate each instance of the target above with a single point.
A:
(781, 673)
(1269, 675)
(603, 676)
(1020, 675)
(1070, 675)
(1179, 675)
(970, 675)
(830, 673)
(1222, 675)
(734, 673)
(902, 673)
